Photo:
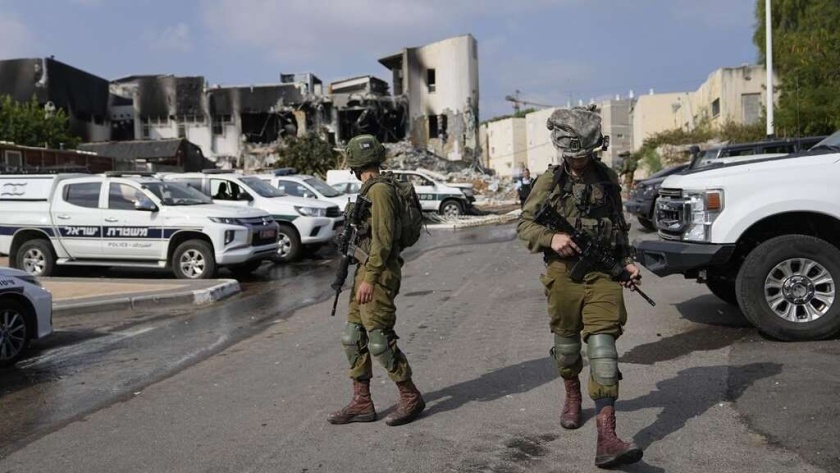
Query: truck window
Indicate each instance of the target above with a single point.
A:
(739, 152)
(293, 188)
(194, 182)
(225, 190)
(786, 148)
(83, 195)
(123, 196)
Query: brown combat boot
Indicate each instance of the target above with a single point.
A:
(360, 408)
(410, 406)
(612, 451)
(570, 418)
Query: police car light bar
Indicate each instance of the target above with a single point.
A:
(128, 173)
(285, 171)
(217, 171)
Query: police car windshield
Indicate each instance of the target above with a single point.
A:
(322, 187)
(171, 193)
(262, 188)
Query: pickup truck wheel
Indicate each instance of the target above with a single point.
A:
(647, 224)
(787, 288)
(451, 208)
(724, 289)
(36, 257)
(14, 333)
(194, 259)
(290, 246)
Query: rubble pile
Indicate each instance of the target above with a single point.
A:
(404, 156)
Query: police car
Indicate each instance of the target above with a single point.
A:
(450, 200)
(127, 220)
(303, 223)
(25, 313)
(309, 187)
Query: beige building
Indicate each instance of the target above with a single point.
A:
(540, 150)
(441, 83)
(730, 94)
(507, 146)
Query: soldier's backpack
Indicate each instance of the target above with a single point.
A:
(410, 212)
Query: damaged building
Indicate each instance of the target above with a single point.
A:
(363, 105)
(57, 86)
(440, 81)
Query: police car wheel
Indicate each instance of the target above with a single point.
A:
(451, 208)
(14, 332)
(290, 246)
(194, 259)
(36, 257)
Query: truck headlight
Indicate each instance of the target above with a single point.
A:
(226, 220)
(311, 211)
(704, 209)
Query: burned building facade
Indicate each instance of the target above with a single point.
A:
(440, 82)
(363, 105)
(57, 86)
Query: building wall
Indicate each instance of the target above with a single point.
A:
(507, 140)
(652, 114)
(739, 93)
(616, 122)
(540, 151)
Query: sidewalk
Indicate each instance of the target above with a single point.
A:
(82, 295)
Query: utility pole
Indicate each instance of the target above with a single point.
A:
(769, 64)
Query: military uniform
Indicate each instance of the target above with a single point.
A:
(628, 170)
(383, 269)
(369, 332)
(587, 193)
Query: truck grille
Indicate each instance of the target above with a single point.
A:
(333, 211)
(673, 214)
(256, 221)
(670, 193)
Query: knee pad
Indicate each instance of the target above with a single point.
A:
(353, 340)
(380, 348)
(566, 351)
(603, 359)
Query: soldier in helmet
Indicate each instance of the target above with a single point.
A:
(628, 170)
(369, 332)
(587, 193)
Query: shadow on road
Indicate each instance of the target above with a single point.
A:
(709, 310)
(513, 379)
(670, 348)
(691, 394)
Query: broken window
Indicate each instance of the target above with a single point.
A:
(716, 108)
(146, 128)
(182, 130)
(433, 127)
(219, 123)
(431, 80)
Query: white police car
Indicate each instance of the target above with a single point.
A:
(25, 313)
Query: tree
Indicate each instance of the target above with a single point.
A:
(29, 124)
(806, 57)
(308, 154)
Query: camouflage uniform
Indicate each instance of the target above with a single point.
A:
(592, 310)
(369, 332)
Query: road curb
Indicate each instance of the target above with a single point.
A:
(223, 290)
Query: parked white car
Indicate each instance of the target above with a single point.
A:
(303, 223)
(435, 196)
(127, 220)
(308, 187)
(25, 313)
(762, 235)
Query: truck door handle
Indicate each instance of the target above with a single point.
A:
(112, 219)
(63, 217)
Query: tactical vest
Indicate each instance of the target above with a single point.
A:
(591, 203)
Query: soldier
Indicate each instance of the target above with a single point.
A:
(372, 315)
(628, 170)
(586, 192)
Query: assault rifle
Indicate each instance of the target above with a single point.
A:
(593, 256)
(347, 245)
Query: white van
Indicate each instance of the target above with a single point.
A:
(304, 223)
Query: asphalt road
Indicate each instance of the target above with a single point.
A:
(246, 385)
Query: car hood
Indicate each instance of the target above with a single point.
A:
(11, 272)
(215, 210)
(302, 201)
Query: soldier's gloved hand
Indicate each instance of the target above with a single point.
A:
(563, 245)
(364, 293)
(635, 276)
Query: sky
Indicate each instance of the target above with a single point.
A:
(550, 50)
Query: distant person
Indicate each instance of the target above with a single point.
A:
(628, 170)
(523, 186)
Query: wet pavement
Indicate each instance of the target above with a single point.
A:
(245, 384)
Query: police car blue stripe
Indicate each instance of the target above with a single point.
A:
(8, 230)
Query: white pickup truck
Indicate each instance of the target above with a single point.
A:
(763, 235)
(127, 220)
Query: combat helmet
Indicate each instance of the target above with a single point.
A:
(576, 132)
(363, 151)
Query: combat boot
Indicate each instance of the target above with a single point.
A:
(570, 418)
(410, 406)
(612, 451)
(360, 408)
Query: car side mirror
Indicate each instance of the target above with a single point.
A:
(246, 197)
(145, 205)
